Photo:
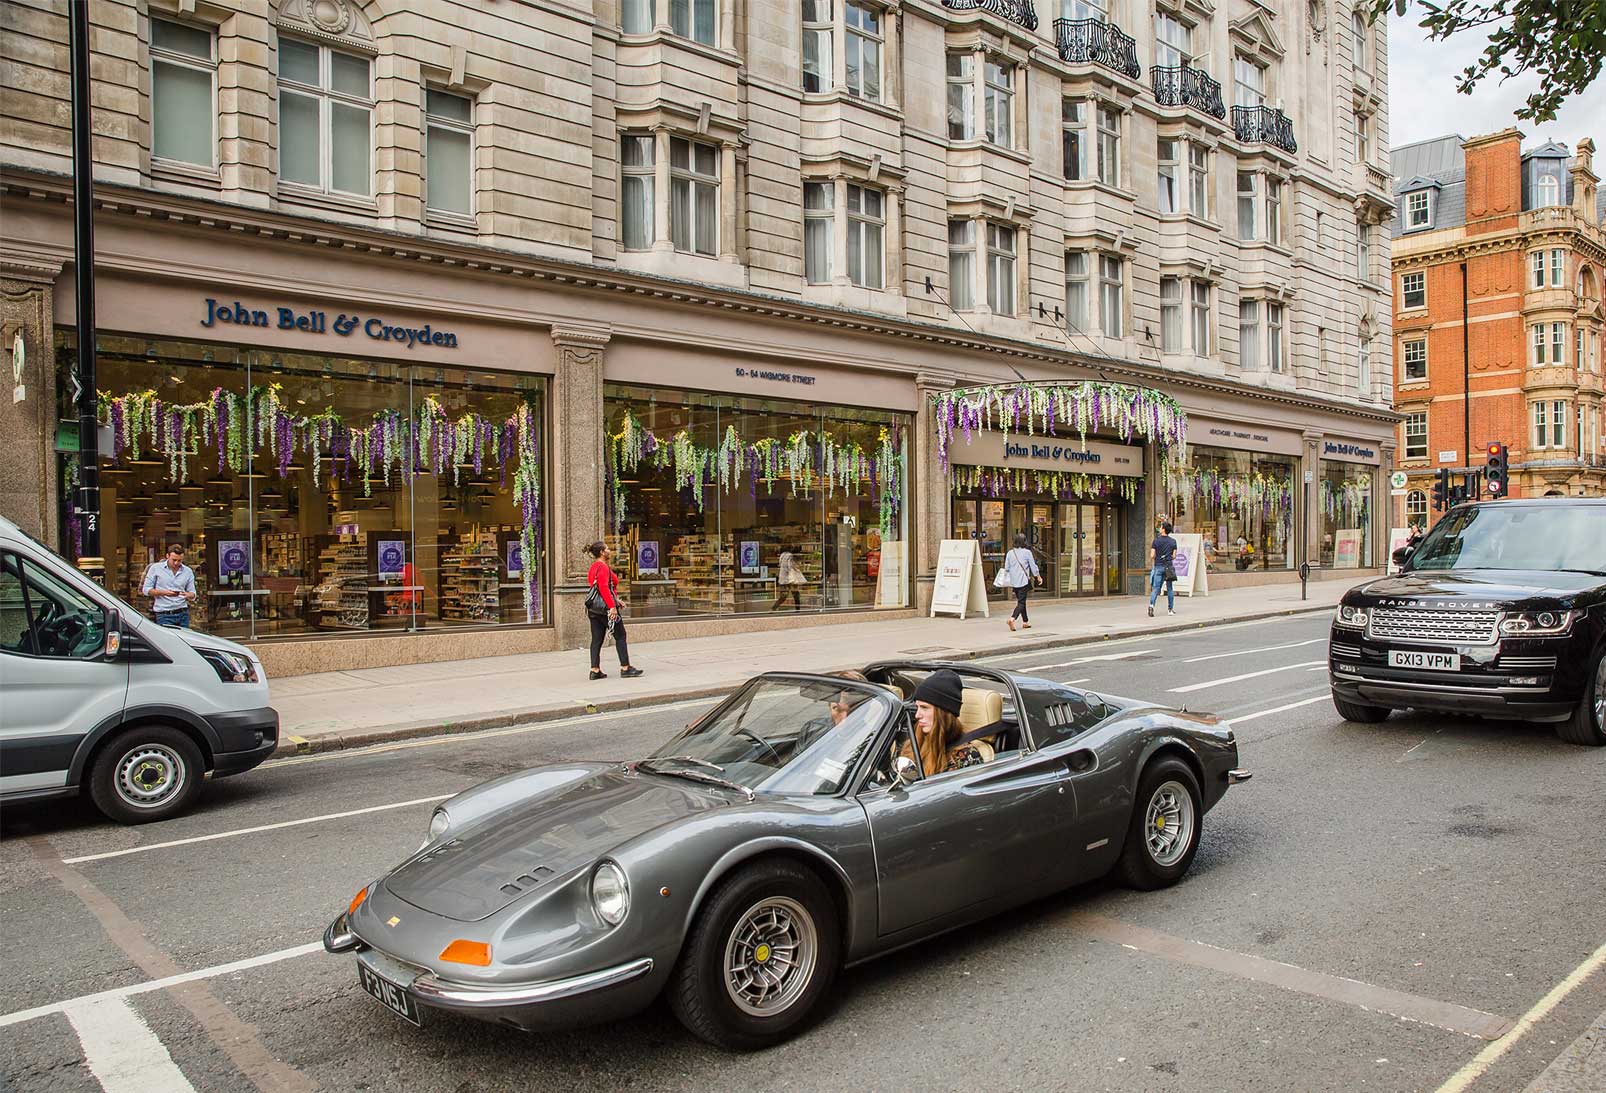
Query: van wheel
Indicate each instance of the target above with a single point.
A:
(1356, 711)
(1587, 725)
(146, 774)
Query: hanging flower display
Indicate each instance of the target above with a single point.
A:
(1346, 503)
(803, 458)
(1044, 408)
(1242, 495)
(996, 481)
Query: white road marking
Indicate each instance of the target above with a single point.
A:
(1277, 709)
(121, 1051)
(1247, 675)
(1210, 627)
(1086, 660)
(1262, 649)
(251, 830)
(1486, 1058)
(17, 1017)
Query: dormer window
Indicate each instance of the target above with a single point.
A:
(1418, 210)
(1547, 191)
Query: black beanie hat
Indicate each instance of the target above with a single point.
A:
(942, 689)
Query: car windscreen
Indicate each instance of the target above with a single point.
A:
(779, 735)
(1531, 537)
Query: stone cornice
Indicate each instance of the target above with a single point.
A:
(237, 221)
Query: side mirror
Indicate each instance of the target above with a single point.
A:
(1403, 554)
(904, 772)
(113, 623)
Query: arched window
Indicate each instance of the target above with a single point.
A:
(1416, 509)
(1547, 191)
(1358, 26)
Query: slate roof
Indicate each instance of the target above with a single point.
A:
(1548, 150)
(1440, 163)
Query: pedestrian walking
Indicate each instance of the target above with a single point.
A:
(1021, 567)
(1162, 553)
(171, 586)
(790, 582)
(602, 605)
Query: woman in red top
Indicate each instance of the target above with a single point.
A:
(602, 577)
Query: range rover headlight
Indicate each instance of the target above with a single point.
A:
(1537, 624)
(610, 893)
(1353, 618)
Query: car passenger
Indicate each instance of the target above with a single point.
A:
(938, 700)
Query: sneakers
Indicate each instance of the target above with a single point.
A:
(598, 675)
(629, 673)
(1151, 611)
(1170, 611)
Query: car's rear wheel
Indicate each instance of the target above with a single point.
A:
(146, 774)
(760, 957)
(1358, 711)
(1587, 725)
(1164, 832)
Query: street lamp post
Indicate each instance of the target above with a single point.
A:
(86, 503)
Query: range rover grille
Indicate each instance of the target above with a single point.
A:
(1353, 652)
(1422, 624)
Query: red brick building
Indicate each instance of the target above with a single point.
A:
(1498, 259)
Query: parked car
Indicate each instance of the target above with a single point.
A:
(786, 834)
(94, 696)
(1500, 610)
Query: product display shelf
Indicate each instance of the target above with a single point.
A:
(340, 598)
(471, 580)
(698, 562)
(808, 557)
(282, 582)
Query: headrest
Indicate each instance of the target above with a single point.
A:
(980, 707)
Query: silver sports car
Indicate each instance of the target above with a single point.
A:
(785, 834)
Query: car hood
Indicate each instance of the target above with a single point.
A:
(529, 846)
(1504, 587)
(159, 635)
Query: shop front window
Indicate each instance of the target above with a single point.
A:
(1345, 491)
(322, 495)
(1240, 503)
(723, 505)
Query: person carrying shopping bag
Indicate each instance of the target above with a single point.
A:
(1020, 566)
(602, 606)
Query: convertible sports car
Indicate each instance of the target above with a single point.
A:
(785, 834)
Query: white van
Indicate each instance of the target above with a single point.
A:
(94, 695)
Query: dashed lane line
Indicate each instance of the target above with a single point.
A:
(1261, 649)
(1190, 688)
(121, 1051)
(1086, 660)
(1279, 709)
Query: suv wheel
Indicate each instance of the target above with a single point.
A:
(145, 774)
(1356, 711)
(1587, 725)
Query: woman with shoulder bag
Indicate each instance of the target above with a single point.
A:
(602, 606)
(1021, 567)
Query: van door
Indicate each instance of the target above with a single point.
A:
(55, 684)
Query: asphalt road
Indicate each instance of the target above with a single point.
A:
(1360, 916)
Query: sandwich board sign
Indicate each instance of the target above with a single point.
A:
(1193, 576)
(959, 588)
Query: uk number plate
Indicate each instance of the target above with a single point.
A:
(391, 995)
(1433, 662)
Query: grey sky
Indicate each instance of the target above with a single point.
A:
(1423, 101)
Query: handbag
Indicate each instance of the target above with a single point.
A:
(1169, 573)
(595, 605)
(1001, 578)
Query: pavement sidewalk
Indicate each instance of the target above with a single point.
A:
(332, 710)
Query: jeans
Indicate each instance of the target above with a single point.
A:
(178, 620)
(1021, 593)
(599, 633)
(1156, 579)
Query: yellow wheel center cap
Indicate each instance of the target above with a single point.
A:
(761, 954)
(1159, 823)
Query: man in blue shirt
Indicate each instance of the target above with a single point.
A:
(171, 586)
(1161, 553)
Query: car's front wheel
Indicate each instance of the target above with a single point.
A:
(1164, 832)
(760, 957)
(145, 774)
(1587, 725)
(1356, 711)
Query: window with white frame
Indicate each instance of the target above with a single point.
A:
(999, 87)
(1248, 199)
(637, 162)
(1578, 429)
(1541, 424)
(1274, 210)
(448, 152)
(961, 96)
(1169, 153)
(1580, 361)
(1098, 10)
(1363, 366)
(961, 264)
(1074, 139)
(1274, 337)
(819, 226)
(1363, 137)
(1001, 269)
(1416, 509)
(1173, 41)
(1109, 145)
(1171, 314)
(636, 16)
(695, 19)
(1357, 23)
(1201, 318)
(694, 196)
(1077, 290)
(818, 32)
(1199, 180)
(1417, 211)
(1414, 353)
(1558, 343)
(1248, 82)
(326, 108)
(862, 40)
(1536, 338)
(1112, 303)
(183, 93)
(1249, 335)
(1363, 250)
(867, 227)
(1558, 268)
(1416, 436)
(1558, 424)
(1413, 290)
(1537, 261)
(1547, 191)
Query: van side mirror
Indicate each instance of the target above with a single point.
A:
(113, 623)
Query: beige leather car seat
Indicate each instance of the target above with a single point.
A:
(979, 709)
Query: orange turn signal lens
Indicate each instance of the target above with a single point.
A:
(356, 901)
(468, 952)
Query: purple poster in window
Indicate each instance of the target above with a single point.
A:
(233, 560)
(515, 559)
(392, 556)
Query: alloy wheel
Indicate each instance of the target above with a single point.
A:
(1168, 823)
(150, 775)
(770, 957)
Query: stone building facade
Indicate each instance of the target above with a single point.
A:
(722, 224)
(1521, 329)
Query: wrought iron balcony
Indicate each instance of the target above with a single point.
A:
(1084, 40)
(1264, 125)
(1020, 12)
(1184, 85)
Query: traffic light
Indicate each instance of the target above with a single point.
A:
(1496, 470)
(1441, 490)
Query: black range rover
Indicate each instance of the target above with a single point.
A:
(1499, 610)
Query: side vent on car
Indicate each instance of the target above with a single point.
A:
(525, 881)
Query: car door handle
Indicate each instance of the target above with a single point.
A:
(1081, 761)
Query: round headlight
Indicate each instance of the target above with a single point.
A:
(1546, 620)
(610, 893)
(439, 823)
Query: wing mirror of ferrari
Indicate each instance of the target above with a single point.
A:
(904, 771)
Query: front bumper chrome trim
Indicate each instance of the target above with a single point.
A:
(338, 938)
(1238, 775)
(436, 992)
